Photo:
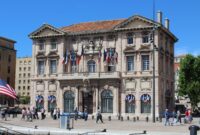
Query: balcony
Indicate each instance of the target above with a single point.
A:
(96, 75)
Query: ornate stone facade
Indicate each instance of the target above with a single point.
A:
(108, 65)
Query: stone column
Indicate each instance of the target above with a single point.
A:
(46, 95)
(116, 102)
(97, 98)
(76, 96)
(138, 105)
(123, 104)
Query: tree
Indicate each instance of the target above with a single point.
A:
(189, 79)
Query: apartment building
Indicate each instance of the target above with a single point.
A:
(23, 74)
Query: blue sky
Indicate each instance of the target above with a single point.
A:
(18, 18)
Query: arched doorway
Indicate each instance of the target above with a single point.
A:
(51, 103)
(69, 101)
(107, 101)
(88, 101)
(145, 103)
(39, 102)
(130, 103)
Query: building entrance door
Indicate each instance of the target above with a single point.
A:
(88, 102)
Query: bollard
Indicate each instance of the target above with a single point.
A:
(147, 119)
(157, 118)
(118, 117)
(134, 119)
(121, 118)
(127, 117)
(109, 118)
(92, 117)
(137, 118)
(193, 129)
(160, 119)
(144, 132)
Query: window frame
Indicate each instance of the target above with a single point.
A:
(145, 66)
(51, 67)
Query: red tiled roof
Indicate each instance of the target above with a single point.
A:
(92, 26)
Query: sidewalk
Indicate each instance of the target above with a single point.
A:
(113, 127)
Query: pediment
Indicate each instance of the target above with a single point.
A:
(46, 30)
(144, 48)
(129, 49)
(136, 22)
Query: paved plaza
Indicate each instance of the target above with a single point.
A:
(90, 127)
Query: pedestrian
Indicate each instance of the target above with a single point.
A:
(55, 114)
(166, 117)
(76, 113)
(23, 113)
(42, 113)
(85, 114)
(178, 116)
(36, 113)
(58, 112)
(99, 116)
(189, 116)
(29, 115)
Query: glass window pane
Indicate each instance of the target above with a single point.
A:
(107, 101)
(145, 62)
(130, 63)
(53, 67)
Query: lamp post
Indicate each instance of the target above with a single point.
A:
(153, 43)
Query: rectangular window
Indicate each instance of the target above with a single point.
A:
(53, 44)
(145, 38)
(24, 68)
(130, 63)
(53, 66)
(41, 67)
(9, 58)
(129, 38)
(19, 81)
(8, 69)
(41, 45)
(145, 62)
(29, 68)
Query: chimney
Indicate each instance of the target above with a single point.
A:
(167, 23)
(159, 17)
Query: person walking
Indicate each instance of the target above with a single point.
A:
(58, 112)
(85, 114)
(166, 117)
(55, 114)
(76, 113)
(42, 114)
(178, 116)
(99, 116)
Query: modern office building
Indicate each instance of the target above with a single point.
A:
(23, 74)
(106, 64)
(7, 66)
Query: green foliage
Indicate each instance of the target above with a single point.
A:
(24, 99)
(189, 79)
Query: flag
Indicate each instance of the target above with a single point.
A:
(116, 56)
(66, 56)
(6, 89)
(130, 98)
(104, 55)
(99, 56)
(82, 51)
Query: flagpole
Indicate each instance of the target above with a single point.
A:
(153, 33)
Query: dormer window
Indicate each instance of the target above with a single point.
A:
(145, 37)
(53, 44)
(129, 38)
(41, 45)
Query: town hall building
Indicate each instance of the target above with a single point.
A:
(106, 64)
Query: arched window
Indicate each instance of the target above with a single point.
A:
(51, 102)
(145, 103)
(39, 102)
(91, 66)
(106, 101)
(130, 103)
(69, 101)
